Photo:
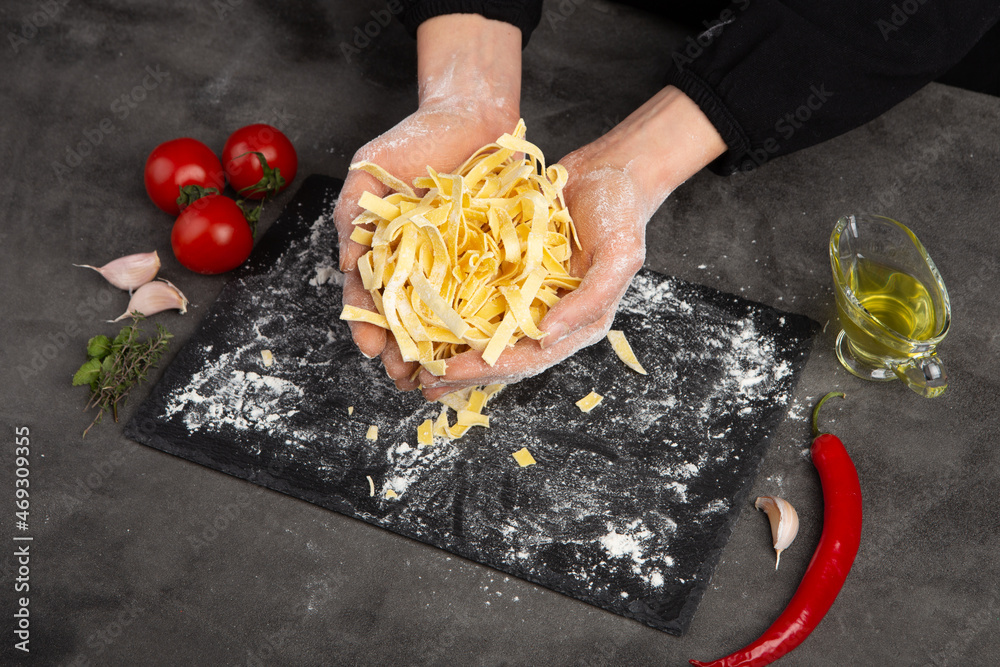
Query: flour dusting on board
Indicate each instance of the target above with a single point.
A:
(657, 438)
(626, 505)
(220, 396)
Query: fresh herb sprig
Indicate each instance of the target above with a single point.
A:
(113, 367)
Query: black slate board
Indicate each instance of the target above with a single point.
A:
(628, 506)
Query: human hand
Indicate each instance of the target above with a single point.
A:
(439, 135)
(469, 75)
(615, 185)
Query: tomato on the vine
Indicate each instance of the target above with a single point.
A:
(177, 163)
(211, 235)
(244, 169)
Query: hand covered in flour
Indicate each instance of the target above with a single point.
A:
(469, 71)
(615, 185)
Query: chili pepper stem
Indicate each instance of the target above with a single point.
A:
(815, 414)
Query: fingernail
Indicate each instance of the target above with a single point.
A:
(555, 334)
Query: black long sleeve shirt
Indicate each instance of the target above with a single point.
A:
(777, 76)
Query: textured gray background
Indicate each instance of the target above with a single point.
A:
(142, 558)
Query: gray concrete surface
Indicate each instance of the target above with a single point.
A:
(141, 558)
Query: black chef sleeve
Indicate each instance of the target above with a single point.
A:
(778, 76)
(524, 14)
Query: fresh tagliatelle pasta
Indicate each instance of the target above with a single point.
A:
(475, 263)
(624, 351)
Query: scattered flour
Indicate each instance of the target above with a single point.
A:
(327, 274)
(681, 426)
(238, 399)
(219, 397)
(634, 545)
(799, 410)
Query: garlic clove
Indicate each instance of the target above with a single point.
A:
(784, 522)
(130, 271)
(155, 297)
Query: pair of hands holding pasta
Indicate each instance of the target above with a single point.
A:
(469, 71)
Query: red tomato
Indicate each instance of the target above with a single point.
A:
(212, 236)
(176, 163)
(244, 168)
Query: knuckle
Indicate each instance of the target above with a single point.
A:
(369, 152)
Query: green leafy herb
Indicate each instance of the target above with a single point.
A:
(98, 347)
(115, 366)
(88, 373)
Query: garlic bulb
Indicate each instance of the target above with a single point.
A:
(155, 297)
(784, 522)
(130, 271)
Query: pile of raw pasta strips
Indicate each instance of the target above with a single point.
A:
(476, 262)
(473, 264)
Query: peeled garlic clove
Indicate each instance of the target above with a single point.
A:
(130, 271)
(155, 297)
(784, 522)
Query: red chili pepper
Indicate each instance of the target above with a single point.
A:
(832, 560)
